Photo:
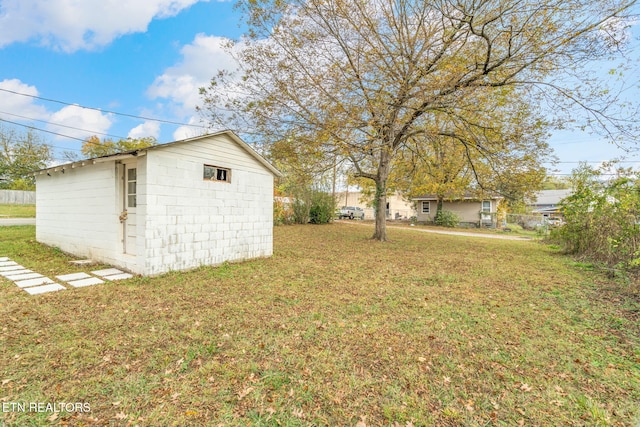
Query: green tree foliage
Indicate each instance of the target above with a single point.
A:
(21, 154)
(510, 164)
(556, 183)
(602, 217)
(94, 147)
(366, 81)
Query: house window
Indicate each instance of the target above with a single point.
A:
(215, 173)
(486, 206)
(426, 207)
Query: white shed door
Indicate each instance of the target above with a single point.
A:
(130, 204)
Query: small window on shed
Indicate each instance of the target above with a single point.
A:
(215, 173)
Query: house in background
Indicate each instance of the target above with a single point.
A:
(470, 209)
(175, 206)
(397, 207)
(547, 202)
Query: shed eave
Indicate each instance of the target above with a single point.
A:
(88, 162)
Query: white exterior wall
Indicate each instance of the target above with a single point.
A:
(189, 222)
(76, 211)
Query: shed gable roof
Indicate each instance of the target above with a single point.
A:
(141, 151)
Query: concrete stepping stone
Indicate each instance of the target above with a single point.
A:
(43, 289)
(107, 272)
(4, 258)
(7, 263)
(85, 282)
(14, 272)
(23, 276)
(34, 282)
(73, 276)
(12, 268)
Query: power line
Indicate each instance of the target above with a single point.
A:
(41, 130)
(102, 110)
(64, 126)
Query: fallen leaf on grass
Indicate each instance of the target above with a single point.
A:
(526, 387)
(469, 406)
(121, 416)
(242, 394)
(4, 382)
(53, 417)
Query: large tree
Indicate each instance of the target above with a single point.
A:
(21, 153)
(363, 79)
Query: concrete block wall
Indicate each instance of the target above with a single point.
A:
(76, 211)
(191, 221)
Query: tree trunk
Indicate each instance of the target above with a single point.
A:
(381, 197)
(438, 211)
(381, 213)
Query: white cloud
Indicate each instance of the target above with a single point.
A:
(201, 59)
(144, 130)
(88, 122)
(77, 122)
(20, 105)
(70, 25)
(184, 132)
(177, 89)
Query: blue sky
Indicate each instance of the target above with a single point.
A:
(143, 58)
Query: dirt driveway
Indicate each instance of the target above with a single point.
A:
(450, 232)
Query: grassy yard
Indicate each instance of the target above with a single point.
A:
(333, 330)
(17, 211)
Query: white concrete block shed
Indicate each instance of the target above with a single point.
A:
(176, 206)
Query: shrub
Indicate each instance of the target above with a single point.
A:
(601, 218)
(446, 219)
(308, 206)
(301, 211)
(322, 208)
(282, 213)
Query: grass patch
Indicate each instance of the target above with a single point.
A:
(334, 329)
(17, 211)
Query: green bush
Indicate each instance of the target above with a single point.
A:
(447, 219)
(322, 209)
(601, 218)
(311, 206)
(301, 211)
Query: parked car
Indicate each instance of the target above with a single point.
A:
(351, 212)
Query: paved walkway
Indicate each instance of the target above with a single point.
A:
(449, 232)
(7, 222)
(35, 283)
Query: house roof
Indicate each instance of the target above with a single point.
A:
(549, 197)
(466, 196)
(142, 151)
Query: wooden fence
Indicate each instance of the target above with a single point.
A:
(17, 197)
